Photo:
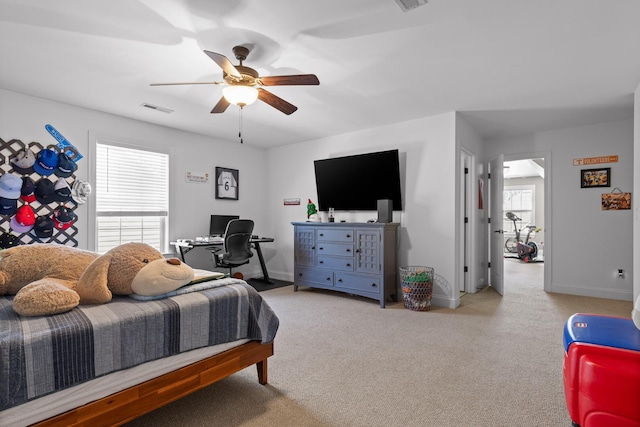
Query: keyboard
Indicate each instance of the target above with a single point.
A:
(216, 239)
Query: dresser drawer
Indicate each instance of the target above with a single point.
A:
(359, 282)
(313, 275)
(335, 263)
(335, 249)
(335, 235)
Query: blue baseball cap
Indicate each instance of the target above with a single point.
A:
(66, 167)
(10, 186)
(8, 206)
(46, 162)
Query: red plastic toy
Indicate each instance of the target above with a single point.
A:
(601, 370)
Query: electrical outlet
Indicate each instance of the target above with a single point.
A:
(620, 273)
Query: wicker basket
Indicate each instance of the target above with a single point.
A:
(417, 287)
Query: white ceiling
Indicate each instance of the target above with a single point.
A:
(511, 66)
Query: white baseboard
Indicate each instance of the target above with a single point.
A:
(596, 292)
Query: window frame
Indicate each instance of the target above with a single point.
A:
(509, 232)
(94, 140)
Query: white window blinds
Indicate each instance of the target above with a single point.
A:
(132, 196)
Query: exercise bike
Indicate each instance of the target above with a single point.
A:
(527, 250)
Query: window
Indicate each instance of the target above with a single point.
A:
(132, 196)
(521, 201)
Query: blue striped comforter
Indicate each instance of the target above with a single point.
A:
(41, 355)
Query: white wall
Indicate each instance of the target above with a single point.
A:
(428, 168)
(468, 139)
(634, 197)
(23, 117)
(589, 244)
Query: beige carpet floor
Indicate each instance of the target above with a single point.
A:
(340, 360)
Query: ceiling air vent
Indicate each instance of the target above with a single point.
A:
(155, 107)
(407, 5)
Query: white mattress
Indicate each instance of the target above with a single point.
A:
(65, 400)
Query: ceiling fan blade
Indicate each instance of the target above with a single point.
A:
(185, 83)
(297, 79)
(224, 63)
(276, 102)
(221, 106)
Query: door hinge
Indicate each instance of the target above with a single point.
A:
(466, 220)
(466, 171)
(489, 176)
(489, 265)
(488, 220)
(466, 269)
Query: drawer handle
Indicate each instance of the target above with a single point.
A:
(349, 235)
(340, 280)
(313, 247)
(357, 251)
(321, 248)
(299, 274)
(348, 250)
(329, 278)
(348, 264)
(374, 285)
(320, 262)
(321, 234)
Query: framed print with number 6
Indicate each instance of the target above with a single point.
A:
(226, 183)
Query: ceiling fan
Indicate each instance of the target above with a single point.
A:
(244, 85)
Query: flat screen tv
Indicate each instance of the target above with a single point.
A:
(218, 224)
(358, 182)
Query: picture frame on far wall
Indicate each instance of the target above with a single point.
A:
(591, 178)
(227, 184)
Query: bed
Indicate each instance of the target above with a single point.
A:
(108, 364)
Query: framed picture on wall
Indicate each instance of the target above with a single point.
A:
(595, 178)
(226, 183)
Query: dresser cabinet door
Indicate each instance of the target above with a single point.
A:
(304, 246)
(368, 251)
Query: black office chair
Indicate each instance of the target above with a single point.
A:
(237, 249)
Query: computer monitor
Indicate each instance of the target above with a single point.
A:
(218, 224)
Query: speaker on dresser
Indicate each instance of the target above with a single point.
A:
(385, 210)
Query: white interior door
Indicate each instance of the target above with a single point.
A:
(496, 238)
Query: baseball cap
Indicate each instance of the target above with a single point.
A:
(45, 191)
(23, 161)
(28, 190)
(8, 206)
(43, 228)
(8, 240)
(46, 162)
(63, 218)
(10, 186)
(80, 190)
(62, 191)
(23, 220)
(66, 167)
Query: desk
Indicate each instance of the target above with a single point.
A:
(184, 247)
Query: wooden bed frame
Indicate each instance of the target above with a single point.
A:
(128, 404)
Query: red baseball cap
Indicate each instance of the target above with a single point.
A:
(23, 220)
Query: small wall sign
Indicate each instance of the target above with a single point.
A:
(291, 202)
(197, 177)
(595, 160)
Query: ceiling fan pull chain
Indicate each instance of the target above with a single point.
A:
(240, 126)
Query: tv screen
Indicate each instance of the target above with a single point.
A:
(358, 182)
(218, 224)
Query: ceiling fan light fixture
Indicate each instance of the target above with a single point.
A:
(240, 95)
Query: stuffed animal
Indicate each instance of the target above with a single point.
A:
(51, 278)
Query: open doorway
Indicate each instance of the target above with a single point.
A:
(524, 221)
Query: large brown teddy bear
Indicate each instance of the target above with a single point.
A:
(52, 278)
